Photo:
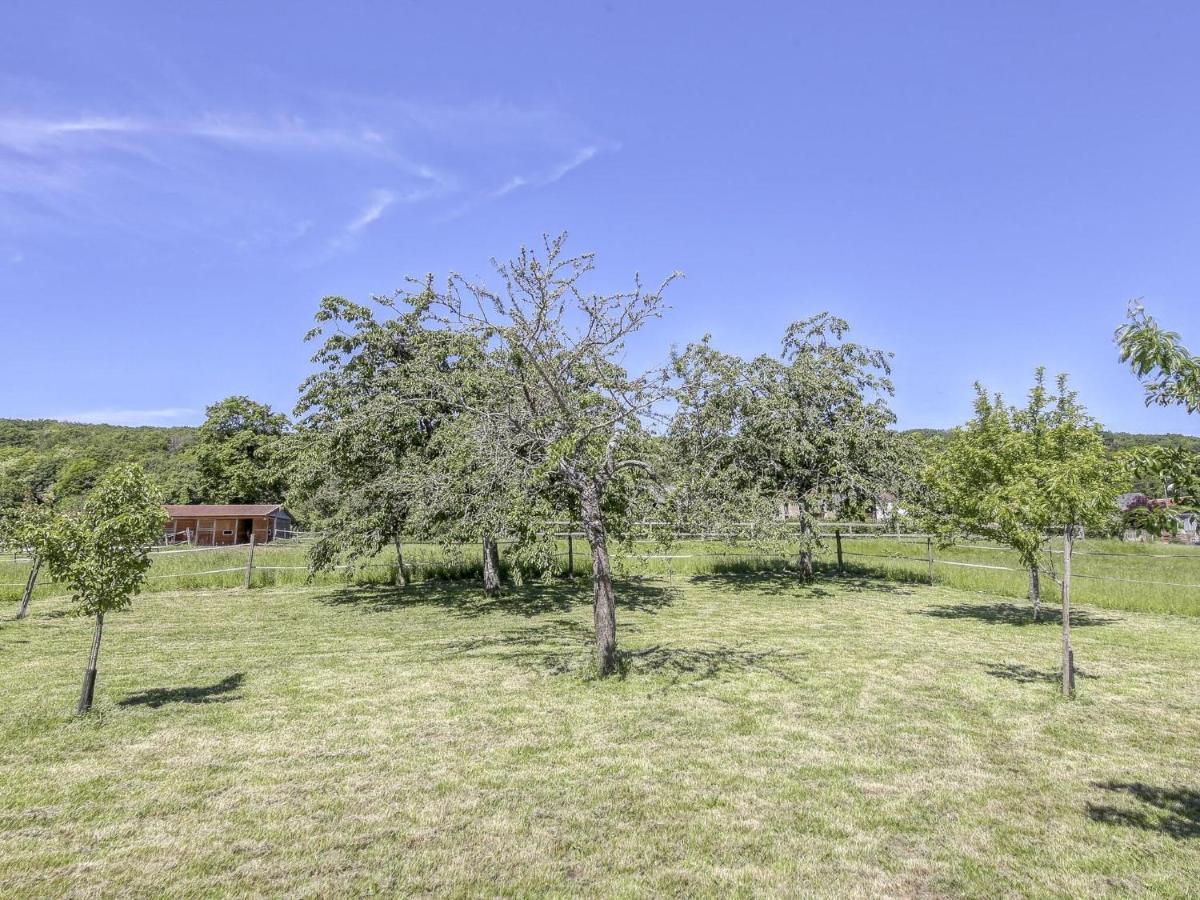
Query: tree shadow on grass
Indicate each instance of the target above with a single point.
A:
(702, 663)
(469, 600)
(212, 693)
(555, 646)
(516, 641)
(1029, 675)
(1172, 811)
(564, 646)
(778, 584)
(1015, 614)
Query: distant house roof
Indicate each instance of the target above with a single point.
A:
(222, 510)
(1132, 499)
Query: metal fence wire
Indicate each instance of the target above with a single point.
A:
(732, 546)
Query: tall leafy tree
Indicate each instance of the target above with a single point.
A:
(237, 455)
(811, 428)
(561, 408)
(102, 552)
(364, 423)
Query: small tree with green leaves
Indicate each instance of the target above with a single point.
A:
(29, 529)
(997, 476)
(102, 552)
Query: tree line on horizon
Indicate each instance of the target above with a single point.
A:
(49, 458)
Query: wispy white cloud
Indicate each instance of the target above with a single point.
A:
(171, 415)
(555, 173)
(246, 179)
(379, 202)
(381, 199)
(542, 178)
(27, 134)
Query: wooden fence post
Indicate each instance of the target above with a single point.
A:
(570, 556)
(929, 556)
(250, 562)
(1068, 660)
(837, 534)
(30, 584)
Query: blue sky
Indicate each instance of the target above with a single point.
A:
(978, 187)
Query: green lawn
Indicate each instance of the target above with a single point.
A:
(853, 738)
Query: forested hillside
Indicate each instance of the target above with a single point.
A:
(37, 456)
(1113, 440)
(232, 458)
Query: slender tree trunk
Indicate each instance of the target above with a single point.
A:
(1068, 660)
(1035, 591)
(604, 601)
(806, 556)
(401, 581)
(30, 584)
(89, 675)
(491, 566)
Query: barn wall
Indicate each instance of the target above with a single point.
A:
(207, 531)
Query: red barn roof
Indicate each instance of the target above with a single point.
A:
(221, 510)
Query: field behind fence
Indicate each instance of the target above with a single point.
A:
(1106, 573)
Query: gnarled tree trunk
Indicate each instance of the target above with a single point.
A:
(806, 565)
(30, 584)
(491, 566)
(89, 674)
(604, 601)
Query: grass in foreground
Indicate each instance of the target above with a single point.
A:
(852, 738)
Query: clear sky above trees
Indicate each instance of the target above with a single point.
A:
(979, 188)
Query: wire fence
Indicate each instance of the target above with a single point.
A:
(1122, 577)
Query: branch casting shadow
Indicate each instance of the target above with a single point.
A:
(212, 693)
(699, 663)
(469, 601)
(1173, 811)
(1015, 614)
(1027, 674)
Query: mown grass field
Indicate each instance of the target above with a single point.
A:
(853, 738)
(1111, 574)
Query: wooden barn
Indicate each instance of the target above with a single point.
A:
(218, 524)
